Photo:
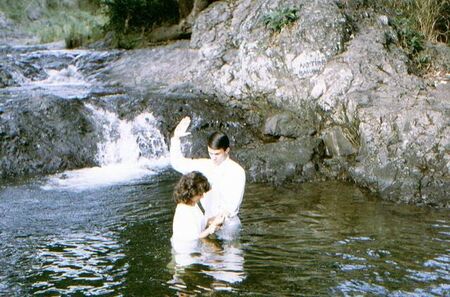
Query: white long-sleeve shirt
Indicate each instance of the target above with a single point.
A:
(227, 181)
(188, 222)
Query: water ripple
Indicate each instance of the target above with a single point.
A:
(79, 263)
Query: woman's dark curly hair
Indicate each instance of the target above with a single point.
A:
(189, 186)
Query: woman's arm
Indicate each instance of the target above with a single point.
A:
(217, 220)
(214, 224)
(208, 231)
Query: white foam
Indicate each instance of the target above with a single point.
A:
(96, 177)
(69, 75)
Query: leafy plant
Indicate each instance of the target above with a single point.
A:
(279, 18)
(416, 22)
(77, 34)
(430, 17)
(423, 63)
(76, 28)
(127, 41)
(411, 40)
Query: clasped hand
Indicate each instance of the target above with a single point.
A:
(216, 222)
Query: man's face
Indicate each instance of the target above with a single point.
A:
(218, 156)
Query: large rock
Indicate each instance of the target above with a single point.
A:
(322, 97)
(155, 68)
(43, 129)
(349, 91)
(397, 129)
(284, 161)
(241, 58)
(45, 135)
(382, 127)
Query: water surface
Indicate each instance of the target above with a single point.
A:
(317, 239)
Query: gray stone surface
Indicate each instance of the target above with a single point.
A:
(321, 98)
(382, 127)
(284, 161)
(288, 125)
(241, 58)
(45, 136)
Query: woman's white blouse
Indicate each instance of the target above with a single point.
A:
(188, 222)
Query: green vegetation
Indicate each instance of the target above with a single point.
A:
(55, 21)
(82, 21)
(431, 18)
(416, 22)
(76, 27)
(413, 42)
(79, 22)
(279, 18)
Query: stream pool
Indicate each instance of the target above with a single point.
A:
(314, 239)
(106, 231)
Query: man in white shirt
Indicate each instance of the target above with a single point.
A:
(227, 178)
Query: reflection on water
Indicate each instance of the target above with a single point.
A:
(318, 239)
(223, 261)
(78, 263)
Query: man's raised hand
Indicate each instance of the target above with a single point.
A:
(181, 129)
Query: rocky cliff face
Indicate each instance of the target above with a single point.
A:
(382, 127)
(322, 98)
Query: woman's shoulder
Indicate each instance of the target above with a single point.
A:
(183, 209)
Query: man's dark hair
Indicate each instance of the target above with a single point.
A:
(189, 186)
(218, 140)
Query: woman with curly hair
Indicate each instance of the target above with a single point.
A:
(189, 222)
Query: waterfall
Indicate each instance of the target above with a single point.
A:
(136, 141)
(129, 151)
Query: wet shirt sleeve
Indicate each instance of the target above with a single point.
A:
(182, 164)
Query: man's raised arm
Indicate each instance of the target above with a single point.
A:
(177, 160)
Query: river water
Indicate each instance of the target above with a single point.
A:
(105, 231)
(318, 239)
